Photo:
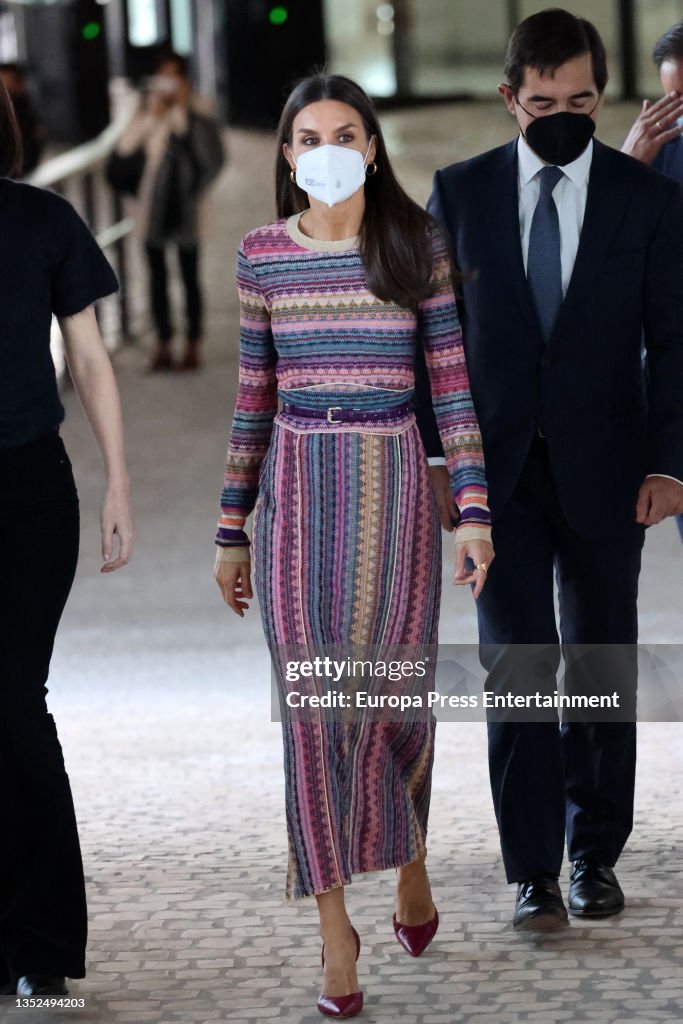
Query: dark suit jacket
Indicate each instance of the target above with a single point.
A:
(669, 160)
(607, 425)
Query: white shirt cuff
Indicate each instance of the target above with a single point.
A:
(665, 475)
(436, 460)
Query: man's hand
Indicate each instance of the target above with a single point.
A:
(654, 126)
(658, 498)
(445, 502)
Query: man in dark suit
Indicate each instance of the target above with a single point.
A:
(570, 251)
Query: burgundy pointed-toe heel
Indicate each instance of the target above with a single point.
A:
(342, 1006)
(416, 937)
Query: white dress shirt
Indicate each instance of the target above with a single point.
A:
(570, 196)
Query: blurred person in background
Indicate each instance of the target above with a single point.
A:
(656, 137)
(30, 125)
(168, 157)
(335, 298)
(49, 264)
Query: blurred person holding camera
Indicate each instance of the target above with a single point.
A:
(167, 158)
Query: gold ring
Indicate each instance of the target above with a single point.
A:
(482, 567)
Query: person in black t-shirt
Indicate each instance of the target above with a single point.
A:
(49, 263)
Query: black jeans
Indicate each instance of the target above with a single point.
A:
(43, 917)
(547, 779)
(188, 258)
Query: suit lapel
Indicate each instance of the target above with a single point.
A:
(606, 204)
(499, 195)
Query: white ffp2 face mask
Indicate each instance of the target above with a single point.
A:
(331, 173)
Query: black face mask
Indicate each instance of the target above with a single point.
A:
(560, 138)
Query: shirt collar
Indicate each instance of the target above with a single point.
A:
(529, 164)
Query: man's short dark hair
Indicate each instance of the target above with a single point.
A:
(670, 46)
(549, 39)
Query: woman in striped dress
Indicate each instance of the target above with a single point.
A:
(335, 296)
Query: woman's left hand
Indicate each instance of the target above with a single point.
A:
(482, 554)
(116, 520)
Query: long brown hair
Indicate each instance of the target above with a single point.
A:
(11, 149)
(395, 236)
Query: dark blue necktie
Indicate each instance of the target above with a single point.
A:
(544, 267)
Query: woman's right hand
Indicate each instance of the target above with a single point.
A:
(482, 554)
(445, 502)
(234, 582)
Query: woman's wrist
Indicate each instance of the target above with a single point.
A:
(118, 483)
(468, 532)
(234, 553)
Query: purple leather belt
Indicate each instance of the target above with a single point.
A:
(340, 414)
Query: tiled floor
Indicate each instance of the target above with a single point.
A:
(162, 699)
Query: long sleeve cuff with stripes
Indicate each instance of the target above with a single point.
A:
(255, 410)
(456, 418)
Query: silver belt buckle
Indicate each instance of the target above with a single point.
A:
(332, 409)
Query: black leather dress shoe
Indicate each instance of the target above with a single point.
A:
(7, 988)
(540, 907)
(41, 985)
(594, 890)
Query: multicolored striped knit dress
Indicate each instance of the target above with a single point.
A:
(346, 536)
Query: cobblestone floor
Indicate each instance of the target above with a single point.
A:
(162, 699)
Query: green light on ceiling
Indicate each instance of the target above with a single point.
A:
(278, 15)
(91, 30)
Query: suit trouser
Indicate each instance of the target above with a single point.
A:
(43, 918)
(188, 259)
(579, 777)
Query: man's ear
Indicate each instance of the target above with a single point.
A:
(508, 96)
